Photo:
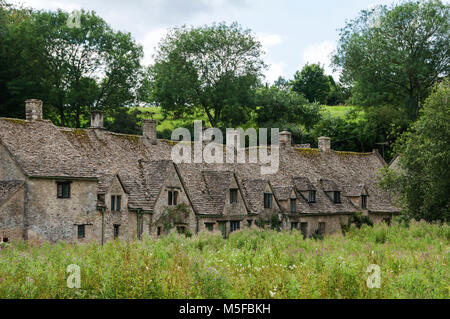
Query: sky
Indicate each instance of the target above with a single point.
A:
(292, 33)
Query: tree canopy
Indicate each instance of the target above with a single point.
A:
(394, 55)
(312, 82)
(212, 67)
(422, 182)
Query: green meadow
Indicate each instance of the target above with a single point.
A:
(413, 262)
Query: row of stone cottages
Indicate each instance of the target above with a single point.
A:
(58, 183)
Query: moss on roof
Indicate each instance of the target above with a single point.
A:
(308, 151)
(16, 121)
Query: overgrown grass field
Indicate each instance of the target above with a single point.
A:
(250, 264)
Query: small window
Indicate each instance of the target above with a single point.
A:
(293, 205)
(294, 226)
(267, 200)
(5, 239)
(81, 231)
(180, 229)
(209, 226)
(233, 195)
(172, 198)
(158, 231)
(322, 228)
(312, 197)
(116, 231)
(63, 190)
(364, 201)
(304, 229)
(235, 225)
(337, 197)
(116, 202)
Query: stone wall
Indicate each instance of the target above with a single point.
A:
(51, 218)
(8, 168)
(12, 217)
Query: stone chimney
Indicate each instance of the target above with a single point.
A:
(149, 129)
(285, 138)
(97, 119)
(324, 144)
(33, 110)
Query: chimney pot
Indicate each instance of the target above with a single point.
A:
(149, 129)
(33, 110)
(97, 119)
(285, 138)
(324, 144)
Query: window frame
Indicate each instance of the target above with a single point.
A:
(364, 201)
(116, 203)
(322, 227)
(172, 197)
(233, 224)
(293, 205)
(209, 226)
(311, 196)
(337, 197)
(81, 234)
(269, 201)
(294, 224)
(304, 228)
(61, 185)
(233, 195)
(116, 231)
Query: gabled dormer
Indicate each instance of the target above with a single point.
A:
(358, 195)
(305, 188)
(332, 190)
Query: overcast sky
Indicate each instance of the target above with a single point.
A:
(292, 32)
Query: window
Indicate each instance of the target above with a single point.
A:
(180, 229)
(304, 229)
(81, 232)
(116, 231)
(322, 228)
(172, 198)
(267, 200)
(234, 225)
(249, 223)
(337, 197)
(293, 205)
(294, 226)
(5, 239)
(312, 197)
(363, 201)
(158, 231)
(233, 196)
(116, 202)
(63, 190)
(209, 226)
(387, 220)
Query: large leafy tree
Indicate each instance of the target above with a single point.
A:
(72, 66)
(312, 82)
(422, 180)
(394, 55)
(214, 68)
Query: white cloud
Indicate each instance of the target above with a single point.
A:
(150, 42)
(276, 68)
(320, 53)
(49, 4)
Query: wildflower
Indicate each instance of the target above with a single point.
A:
(272, 293)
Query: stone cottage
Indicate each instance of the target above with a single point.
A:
(80, 185)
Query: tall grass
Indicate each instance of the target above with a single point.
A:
(250, 264)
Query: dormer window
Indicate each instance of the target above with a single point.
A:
(267, 200)
(172, 198)
(364, 201)
(312, 197)
(337, 197)
(116, 203)
(233, 195)
(293, 205)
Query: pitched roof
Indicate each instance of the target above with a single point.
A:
(303, 184)
(354, 190)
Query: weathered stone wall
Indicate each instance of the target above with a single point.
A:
(9, 170)
(51, 218)
(12, 217)
(332, 222)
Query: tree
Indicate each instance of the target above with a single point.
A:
(312, 82)
(214, 68)
(72, 67)
(422, 182)
(395, 55)
(283, 107)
